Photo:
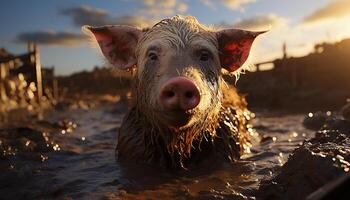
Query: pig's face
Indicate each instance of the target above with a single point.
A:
(182, 76)
(178, 64)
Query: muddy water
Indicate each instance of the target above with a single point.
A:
(83, 164)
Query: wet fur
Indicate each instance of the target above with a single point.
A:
(224, 140)
(220, 130)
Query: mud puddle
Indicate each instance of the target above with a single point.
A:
(80, 163)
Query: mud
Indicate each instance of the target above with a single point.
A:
(84, 166)
(345, 110)
(315, 121)
(318, 161)
(219, 140)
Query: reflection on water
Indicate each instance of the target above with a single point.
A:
(79, 161)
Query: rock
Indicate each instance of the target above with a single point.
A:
(337, 189)
(317, 162)
(25, 141)
(63, 126)
(315, 121)
(345, 111)
(337, 124)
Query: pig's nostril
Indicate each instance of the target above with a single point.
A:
(179, 93)
(169, 94)
(189, 94)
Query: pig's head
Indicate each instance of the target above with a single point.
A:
(178, 63)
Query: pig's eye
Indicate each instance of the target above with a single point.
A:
(204, 56)
(153, 56)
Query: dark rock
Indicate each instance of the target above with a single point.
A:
(315, 121)
(266, 139)
(337, 124)
(24, 141)
(337, 189)
(63, 105)
(345, 111)
(224, 195)
(317, 162)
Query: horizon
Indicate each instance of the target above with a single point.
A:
(55, 26)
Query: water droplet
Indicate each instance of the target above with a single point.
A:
(44, 158)
(280, 161)
(56, 147)
(340, 157)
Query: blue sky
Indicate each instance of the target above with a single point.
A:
(299, 23)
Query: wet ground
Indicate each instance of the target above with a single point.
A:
(77, 161)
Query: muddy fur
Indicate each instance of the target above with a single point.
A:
(225, 139)
(218, 127)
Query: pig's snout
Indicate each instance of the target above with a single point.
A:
(179, 93)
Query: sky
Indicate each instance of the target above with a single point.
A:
(56, 25)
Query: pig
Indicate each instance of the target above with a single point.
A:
(183, 113)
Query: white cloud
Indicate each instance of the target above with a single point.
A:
(155, 10)
(300, 38)
(51, 38)
(334, 10)
(150, 12)
(208, 3)
(236, 4)
(260, 22)
(86, 15)
(182, 7)
(231, 4)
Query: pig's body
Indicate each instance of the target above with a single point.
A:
(225, 141)
(183, 111)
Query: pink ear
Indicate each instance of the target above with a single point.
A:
(234, 47)
(117, 43)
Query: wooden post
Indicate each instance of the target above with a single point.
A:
(3, 70)
(30, 47)
(39, 83)
(284, 49)
(294, 76)
(257, 67)
(55, 88)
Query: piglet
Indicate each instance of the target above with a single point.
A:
(183, 111)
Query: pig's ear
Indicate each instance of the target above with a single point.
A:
(117, 43)
(234, 47)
